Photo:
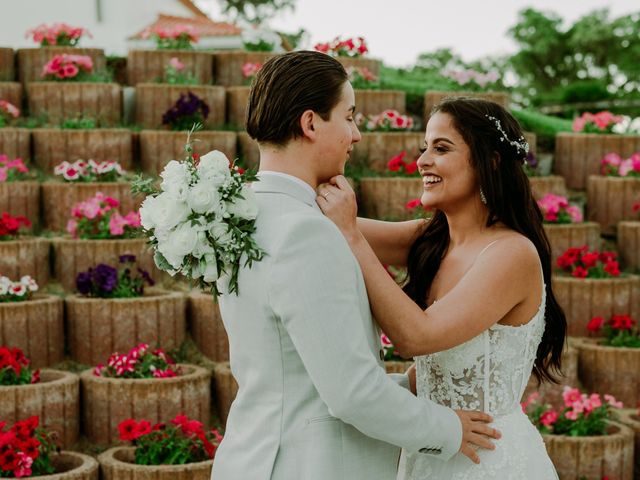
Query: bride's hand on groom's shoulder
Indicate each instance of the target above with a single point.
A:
(476, 433)
(337, 200)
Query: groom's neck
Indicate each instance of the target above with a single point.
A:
(293, 160)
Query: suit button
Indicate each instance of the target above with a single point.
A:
(425, 450)
(382, 354)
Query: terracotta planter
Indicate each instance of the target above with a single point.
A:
(612, 370)
(593, 457)
(72, 256)
(14, 142)
(551, 392)
(629, 244)
(72, 466)
(540, 186)
(397, 366)
(52, 146)
(369, 63)
(249, 150)
(372, 102)
(11, 92)
(578, 155)
(432, 98)
(226, 389)
(631, 419)
(58, 199)
(32, 60)
(376, 148)
(55, 399)
(237, 101)
(154, 99)
(57, 101)
(97, 327)
(563, 236)
(36, 327)
(158, 147)
(21, 198)
(25, 256)
(145, 66)
(385, 198)
(108, 401)
(585, 298)
(7, 65)
(227, 66)
(206, 326)
(118, 464)
(609, 200)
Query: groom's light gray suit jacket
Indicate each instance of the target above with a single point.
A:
(314, 401)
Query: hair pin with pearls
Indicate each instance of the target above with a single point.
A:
(520, 144)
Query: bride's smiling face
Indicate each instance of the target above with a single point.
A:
(445, 165)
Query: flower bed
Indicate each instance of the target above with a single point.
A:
(226, 388)
(154, 100)
(118, 464)
(55, 398)
(109, 401)
(15, 142)
(432, 98)
(609, 199)
(145, 66)
(20, 198)
(31, 60)
(158, 147)
(206, 326)
(57, 101)
(25, 256)
(563, 236)
(376, 148)
(11, 92)
(578, 155)
(7, 64)
(99, 326)
(52, 146)
(541, 186)
(237, 101)
(371, 102)
(629, 244)
(227, 66)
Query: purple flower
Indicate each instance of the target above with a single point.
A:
(147, 278)
(187, 110)
(105, 278)
(84, 282)
(531, 160)
(127, 258)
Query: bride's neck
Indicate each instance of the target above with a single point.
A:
(466, 225)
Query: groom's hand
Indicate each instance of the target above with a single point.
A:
(476, 433)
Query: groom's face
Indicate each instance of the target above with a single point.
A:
(337, 136)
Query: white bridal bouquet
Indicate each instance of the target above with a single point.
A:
(201, 221)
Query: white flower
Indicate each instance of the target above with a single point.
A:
(180, 241)
(210, 272)
(60, 169)
(175, 179)
(4, 288)
(202, 198)
(30, 283)
(163, 212)
(221, 233)
(18, 289)
(246, 207)
(622, 126)
(203, 246)
(214, 168)
(634, 126)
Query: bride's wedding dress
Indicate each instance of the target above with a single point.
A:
(488, 373)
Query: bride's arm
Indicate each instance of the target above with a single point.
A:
(391, 241)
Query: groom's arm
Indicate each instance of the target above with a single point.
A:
(314, 293)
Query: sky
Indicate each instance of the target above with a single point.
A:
(397, 31)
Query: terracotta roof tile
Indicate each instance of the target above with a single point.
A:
(204, 26)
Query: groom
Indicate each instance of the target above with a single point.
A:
(314, 401)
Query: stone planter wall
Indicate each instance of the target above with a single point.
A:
(631, 419)
(58, 199)
(593, 457)
(52, 146)
(585, 298)
(373, 102)
(249, 150)
(7, 65)
(609, 200)
(21, 198)
(56, 101)
(153, 100)
(207, 328)
(227, 66)
(144, 66)
(540, 186)
(14, 142)
(25, 256)
(36, 327)
(32, 60)
(431, 99)
(376, 148)
(551, 392)
(226, 389)
(385, 198)
(612, 370)
(369, 63)
(118, 464)
(563, 236)
(12, 93)
(72, 466)
(629, 244)
(158, 147)
(71, 256)
(98, 327)
(108, 401)
(237, 101)
(55, 399)
(578, 155)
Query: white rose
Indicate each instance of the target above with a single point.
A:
(246, 207)
(203, 246)
(175, 179)
(180, 241)
(202, 198)
(214, 168)
(221, 233)
(210, 272)
(163, 212)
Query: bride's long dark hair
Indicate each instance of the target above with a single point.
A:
(509, 200)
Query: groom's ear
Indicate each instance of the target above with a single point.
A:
(307, 120)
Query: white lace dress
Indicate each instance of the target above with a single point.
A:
(487, 373)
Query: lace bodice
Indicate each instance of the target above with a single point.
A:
(487, 373)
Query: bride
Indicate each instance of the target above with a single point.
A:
(477, 311)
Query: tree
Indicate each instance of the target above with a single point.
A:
(255, 11)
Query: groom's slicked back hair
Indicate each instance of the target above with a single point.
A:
(288, 85)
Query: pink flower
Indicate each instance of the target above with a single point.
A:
(176, 63)
(116, 225)
(571, 415)
(3, 174)
(72, 227)
(611, 400)
(548, 418)
(385, 340)
(611, 159)
(23, 469)
(571, 396)
(71, 174)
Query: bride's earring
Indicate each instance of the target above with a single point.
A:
(483, 199)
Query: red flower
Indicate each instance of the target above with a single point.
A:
(128, 430)
(411, 168)
(143, 428)
(595, 324)
(622, 322)
(580, 272)
(612, 268)
(589, 259)
(397, 162)
(411, 204)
